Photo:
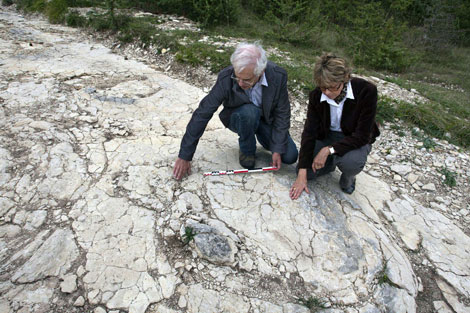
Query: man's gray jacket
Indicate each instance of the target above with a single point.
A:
(226, 91)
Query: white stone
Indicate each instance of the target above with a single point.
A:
(94, 296)
(442, 307)
(41, 125)
(80, 271)
(401, 169)
(440, 239)
(168, 285)
(9, 231)
(5, 306)
(182, 303)
(246, 264)
(35, 219)
(99, 310)
(429, 187)
(69, 284)
(79, 302)
(412, 178)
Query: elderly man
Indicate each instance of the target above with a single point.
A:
(253, 92)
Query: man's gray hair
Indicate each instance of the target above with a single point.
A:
(249, 54)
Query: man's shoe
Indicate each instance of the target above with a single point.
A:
(247, 161)
(349, 190)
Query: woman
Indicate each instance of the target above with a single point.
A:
(340, 125)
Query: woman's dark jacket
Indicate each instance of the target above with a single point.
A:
(357, 121)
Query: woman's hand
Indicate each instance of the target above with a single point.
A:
(320, 159)
(300, 184)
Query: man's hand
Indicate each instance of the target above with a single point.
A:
(320, 159)
(276, 160)
(182, 167)
(300, 184)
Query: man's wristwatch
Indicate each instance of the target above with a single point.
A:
(332, 150)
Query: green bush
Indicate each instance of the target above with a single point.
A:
(99, 22)
(137, 30)
(38, 6)
(80, 3)
(463, 22)
(375, 41)
(56, 11)
(7, 2)
(26, 5)
(293, 21)
(215, 12)
(74, 19)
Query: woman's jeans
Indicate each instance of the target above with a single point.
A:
(350, 164)
(246, 122)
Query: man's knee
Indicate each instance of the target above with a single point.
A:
(290, 156)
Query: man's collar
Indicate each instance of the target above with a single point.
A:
(263, 79)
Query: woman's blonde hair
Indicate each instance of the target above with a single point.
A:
(330, 70)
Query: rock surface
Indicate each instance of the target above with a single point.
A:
(91, 219)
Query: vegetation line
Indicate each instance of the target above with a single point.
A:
(420, 45)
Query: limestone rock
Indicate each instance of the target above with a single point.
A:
(79, 302)
(41, 125)
(53, 258)
(69, 284)
(213, 246)
(401, 169)
(452, 298)
(429, 187)
(440, 240)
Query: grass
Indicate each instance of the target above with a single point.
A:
(197, 53)
(313, 304)
(429, 117)
(445, 81)
(382, 277)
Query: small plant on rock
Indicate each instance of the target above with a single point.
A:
(313, 304)
(189, 235)
(428, 143)
(382, 277)
(449, 179)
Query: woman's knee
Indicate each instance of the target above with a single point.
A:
(351, 166)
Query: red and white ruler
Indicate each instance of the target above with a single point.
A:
(244, 170)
